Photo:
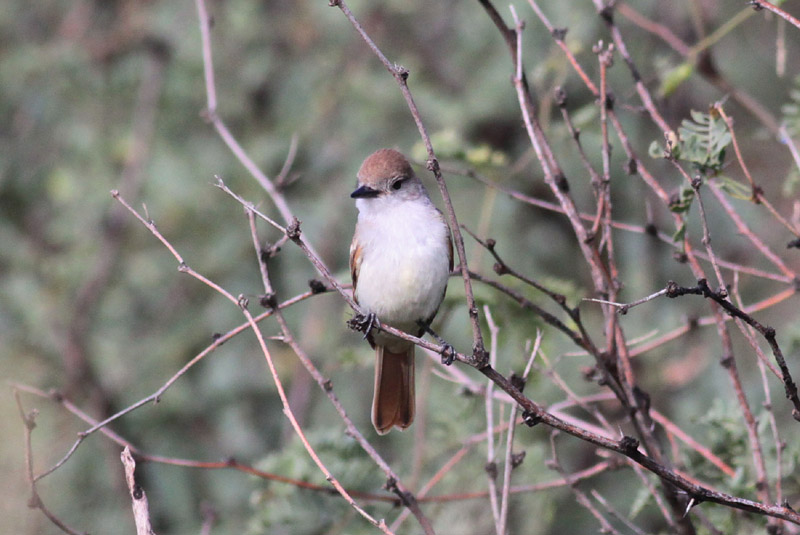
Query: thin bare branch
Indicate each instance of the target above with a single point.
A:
(491, 456)
(141, 507)
(769, 6)
(35, 501)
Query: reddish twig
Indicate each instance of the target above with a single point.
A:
(706, 453)
(769, 6)
(380, 524)
(654, 27)
(219, 125)
(745, 230)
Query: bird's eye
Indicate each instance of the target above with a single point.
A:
(397, 184)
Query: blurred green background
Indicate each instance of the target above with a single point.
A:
(102, 95)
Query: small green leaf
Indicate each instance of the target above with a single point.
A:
(678, 235)
(683, 202)
(675, 77)
(735, 189)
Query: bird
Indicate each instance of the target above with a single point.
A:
(401, 257)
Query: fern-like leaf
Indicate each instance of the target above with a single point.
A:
(703, 141)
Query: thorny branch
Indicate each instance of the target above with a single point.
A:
(721, 298)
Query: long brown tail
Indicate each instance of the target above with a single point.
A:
(393, 403)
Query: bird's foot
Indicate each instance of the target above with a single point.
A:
(447, 352)
(363, 323)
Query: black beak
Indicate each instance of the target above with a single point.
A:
(364, 192)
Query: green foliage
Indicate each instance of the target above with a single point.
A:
(283, 508)
(675, 77)
(734, 188)
(683, 201)
(702, 141)
(726, 437)
(679, 235)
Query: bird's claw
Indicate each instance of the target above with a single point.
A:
(363, 323)
(448, 354)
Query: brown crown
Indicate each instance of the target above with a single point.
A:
(383, 164)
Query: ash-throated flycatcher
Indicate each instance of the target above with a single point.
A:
(400, 260)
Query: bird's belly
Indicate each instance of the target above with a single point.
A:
(402, 289)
